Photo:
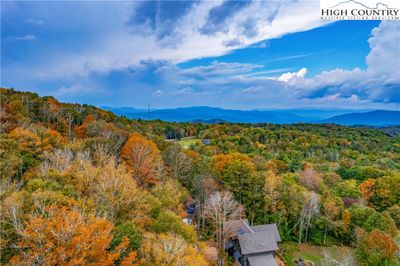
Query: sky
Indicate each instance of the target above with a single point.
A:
(229, 54)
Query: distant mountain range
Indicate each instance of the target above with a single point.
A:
(373, 118)
(205, 114)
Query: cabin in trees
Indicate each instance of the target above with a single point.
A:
(206, 141)
(253, 245)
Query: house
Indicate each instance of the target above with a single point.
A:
(253, 245)
(206, 141)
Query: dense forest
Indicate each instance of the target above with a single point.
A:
(82, 186)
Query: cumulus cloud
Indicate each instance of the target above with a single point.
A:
(293, 76)
(380, 82)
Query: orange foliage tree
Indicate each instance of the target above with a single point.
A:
(377, 248)
(367, 188)
(66, 237)
(81, 130)
(28, 141)
(143, 158)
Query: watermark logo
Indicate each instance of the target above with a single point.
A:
(360, 9)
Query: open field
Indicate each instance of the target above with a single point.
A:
(187, 142)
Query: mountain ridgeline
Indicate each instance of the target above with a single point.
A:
(373, 118)
(205, 114)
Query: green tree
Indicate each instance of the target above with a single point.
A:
(387, 191)
(168, 221)
(347, 189)
(129, 231)
(394, 212)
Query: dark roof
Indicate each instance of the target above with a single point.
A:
(237, 227)
(268, 227)
(262, 260)
(259, 242)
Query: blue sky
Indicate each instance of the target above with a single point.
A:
(242, 55)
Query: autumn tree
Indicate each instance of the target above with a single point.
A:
(271, 194)
(220, 208)
(65, 237)
(346, 220)
(178, 162)
(169, 250)
(171, 194)
(347, 189)
(128, 236)
(116, 194)
(387, 191)
(220, 162)
(81, 130)
(367, 188)
(168, 221)
(143, 158)
(331, 179)
(381, 221)
(69, 116)
(310, 178)
(377, 248)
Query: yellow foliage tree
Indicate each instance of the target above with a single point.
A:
(169, 249)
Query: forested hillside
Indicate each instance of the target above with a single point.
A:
(82, 186)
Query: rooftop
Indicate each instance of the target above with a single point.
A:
(268, 227)
(262, 260)
(251, 243)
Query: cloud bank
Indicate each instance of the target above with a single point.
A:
(134, 51)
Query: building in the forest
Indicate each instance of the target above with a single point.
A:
(253, 245)
(206, 141)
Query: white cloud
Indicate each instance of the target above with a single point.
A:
(380, 82)
(73, 90)
(119, 44)
(293, 76)
(158, 93)
(27, 37)
(140, 62)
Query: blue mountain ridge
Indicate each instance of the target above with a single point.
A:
(372, 118)
(205, 114)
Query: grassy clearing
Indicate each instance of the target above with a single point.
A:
(187, 142)
(313, 253)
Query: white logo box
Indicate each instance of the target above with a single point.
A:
(360, 9)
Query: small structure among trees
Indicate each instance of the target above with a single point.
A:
(206, 141)
(253, 245)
